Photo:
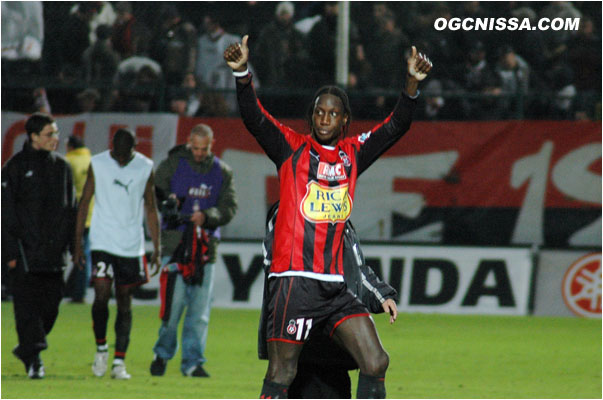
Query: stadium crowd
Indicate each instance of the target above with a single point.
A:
(150, 56)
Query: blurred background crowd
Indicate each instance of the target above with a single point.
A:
(72, 57)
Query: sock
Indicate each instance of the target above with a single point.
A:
(118, 361)
(123, 325)
(370, 387)
(100, 317)
(119, 355)
(102, 346)
(273, 390)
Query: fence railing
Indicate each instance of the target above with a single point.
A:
(368, 103)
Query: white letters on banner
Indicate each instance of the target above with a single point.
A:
(571, 176)
(533, 169)
(372, 214)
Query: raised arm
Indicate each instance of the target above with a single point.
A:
(383, 136)
(276, 139)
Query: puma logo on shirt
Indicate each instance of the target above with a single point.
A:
(119, 183)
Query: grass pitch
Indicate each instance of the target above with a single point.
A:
(432, 356)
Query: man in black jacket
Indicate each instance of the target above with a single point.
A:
(38, 221)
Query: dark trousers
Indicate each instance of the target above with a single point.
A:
(316, 382)
(36, 299)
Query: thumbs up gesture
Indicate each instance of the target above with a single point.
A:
(418, 65)
(237, 54)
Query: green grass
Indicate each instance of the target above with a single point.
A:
(432, 356)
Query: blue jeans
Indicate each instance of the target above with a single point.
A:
(197, 300)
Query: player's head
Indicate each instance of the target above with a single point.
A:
(200, 141)
(124, 142)
(42, 132)
(74, 142)
(329, 115)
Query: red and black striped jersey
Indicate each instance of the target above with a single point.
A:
(317, 184)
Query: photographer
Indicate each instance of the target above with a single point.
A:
(197, 195)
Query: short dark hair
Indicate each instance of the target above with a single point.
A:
(37, 122)
(75, 142)
(337, 92)
(123, 140)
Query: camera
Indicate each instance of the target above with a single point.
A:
(170, 213)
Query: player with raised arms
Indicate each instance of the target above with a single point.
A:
(317, 176)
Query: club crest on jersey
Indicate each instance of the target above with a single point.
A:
(330, 172)
(362, 138)
(291, 328)
(344, 157)
(326, 204)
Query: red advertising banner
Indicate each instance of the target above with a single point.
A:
(470, 183)
(499, 183)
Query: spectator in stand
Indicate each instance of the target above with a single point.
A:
(257, 14)
(585, 60)
(514, 74)
(556, 40)
(136, 83)
(105, 15)
(179, 101)
(560, 78)
(210, 69)
(278, 55)
(174, 45)
(100, 60)
(88, 100)
(63, 96)
(41, 103)
(478, 76)
(320, 43)
(386, 48)
(471, 9)
(75, 34)
(529, 43)
(144, 91)
(443, 45)
(191, 100)
(130, 36)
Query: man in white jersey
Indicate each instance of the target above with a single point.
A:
(122, 182)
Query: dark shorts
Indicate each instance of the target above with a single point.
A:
(126, 271)
(299, 305)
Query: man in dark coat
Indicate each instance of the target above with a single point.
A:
(38, 222)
